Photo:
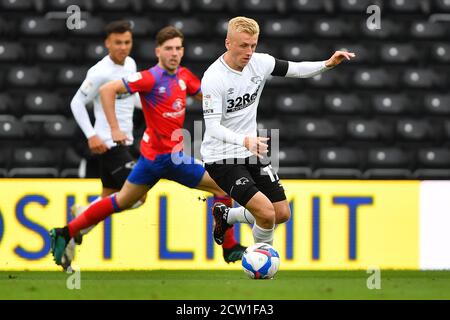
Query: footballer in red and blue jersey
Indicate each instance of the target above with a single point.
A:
(163, 99)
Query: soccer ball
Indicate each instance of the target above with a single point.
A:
(261, 261)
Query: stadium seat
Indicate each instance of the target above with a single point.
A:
(209, 5)
(283, 28)
(95, 51)
(437, 104)
(71, 76)
(427, 30)
(113, 5)
(53, 51)
(143, 27)
(391, 104)
(440, 6)
(17, 5)
(313, 6)
(61, 5)
(356, 6)
(259, 6)
(282, 82)
(221, 27)
(11, 128)
(293, 163)
(42, 102)
(407, 6)
(343, 104)
(6, 104)
(4, 162)
(90, 26)
(297, 104)
(70, 164)
(37, 26)
(364, 53)
(332, 28)
(190, 27)
(202, 51)
(422, 78)
(374, 78)
(388, 30)
(62, 128)
(387, 163)
(331, 80)
(434, 158)
(316, 129)
(303, 52)
(399, 53)
(34, 162)
(366, 130)
(145, 50)
(440, 52)
(164, 5)
(447, 130)
(433, 164)
(11, 51)
(337, 163)
(412, 130)
(25, 76)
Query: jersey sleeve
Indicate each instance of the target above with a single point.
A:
(193, 83)
(266, 62)
(89, 88)
(212, 98)
(142, 81)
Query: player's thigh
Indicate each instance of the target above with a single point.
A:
(209, 185)
(233, 179)
(185, 170)
(130, 194)
(261, 208)
(267, 182)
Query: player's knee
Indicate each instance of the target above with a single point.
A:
(266, 216)
(283, 215)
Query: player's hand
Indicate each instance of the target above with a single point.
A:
(96, 145)
(257, 145)
(338, 57)
(119, 137)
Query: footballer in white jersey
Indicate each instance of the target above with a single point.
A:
(115, 161)
(232, 151)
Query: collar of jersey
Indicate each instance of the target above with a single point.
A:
(228, 67)
(164, 71)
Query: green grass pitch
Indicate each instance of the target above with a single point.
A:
(225, 285)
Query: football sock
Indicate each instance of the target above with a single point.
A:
(95, 213)
(228, 241)
(263, 235)
(241, 215)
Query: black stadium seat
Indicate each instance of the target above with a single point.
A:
(344, 104)
(53, 51)
(283, 28)
(11, 51)
(42, 102)
(441, 52)
(427, 30)
(387, 163)
(209, 5)
(312, 6)
(297, 104)
(437, 104)
(11, 128)
(413, 130)
(34, 162)
(337, 163)
(71, 75)
(294, 162)
(112, 5)
(406, 6)
(433, 164)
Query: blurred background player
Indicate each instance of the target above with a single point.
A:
(232, 88)
(163, 91)
(115, 161)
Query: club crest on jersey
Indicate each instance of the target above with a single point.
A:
(182, 84)
(134, 77)
(178, 104)
(256, 80)
(162, 90)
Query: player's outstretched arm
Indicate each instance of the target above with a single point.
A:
(307, 69)
(338, 57)
(108, 97)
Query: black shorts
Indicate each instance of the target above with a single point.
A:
(243, 180)
(115, 166)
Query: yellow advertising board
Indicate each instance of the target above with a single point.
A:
(334, 225)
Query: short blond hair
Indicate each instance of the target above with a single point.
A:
(243, 24)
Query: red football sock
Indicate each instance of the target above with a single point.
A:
(229, 241)
(95, 213)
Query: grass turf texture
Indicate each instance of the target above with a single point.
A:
(225, 285)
